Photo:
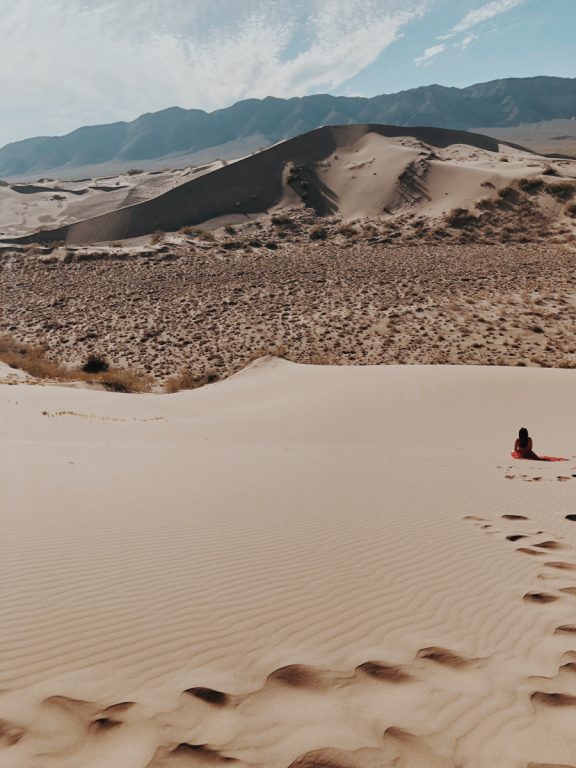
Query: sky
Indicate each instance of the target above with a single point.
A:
(68, 63)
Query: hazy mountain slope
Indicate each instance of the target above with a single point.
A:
(180, 132)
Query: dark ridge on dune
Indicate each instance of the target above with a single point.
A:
(249, 186)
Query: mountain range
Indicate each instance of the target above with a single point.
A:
(178, 136)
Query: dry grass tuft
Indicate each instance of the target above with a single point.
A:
(189, 380)
(32, 360)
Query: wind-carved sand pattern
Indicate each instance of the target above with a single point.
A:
(558, 691)
(269, 576)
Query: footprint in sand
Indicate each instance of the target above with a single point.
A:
(387, 673)
(210, 696)
(553, 699)
(445, 657)
(188, 754)
(566, 629)
(528, 551)
(561, 565)
(10, 733)
(540, 597)
(301, 676)
(550, 545)
(515, 517)
(571, 518)
(515, 537)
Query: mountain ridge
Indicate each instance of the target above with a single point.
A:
(189, 133)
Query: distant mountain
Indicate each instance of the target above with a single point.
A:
(183, 136)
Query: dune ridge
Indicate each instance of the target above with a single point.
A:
(295, 171)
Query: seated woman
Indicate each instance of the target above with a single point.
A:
(523, 446)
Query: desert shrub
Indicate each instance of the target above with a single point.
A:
(318, 233)
(571, 211)
(459, 217)
(186, 379)
(32, 360)
(95, 364)
(229, 229)
(134, 171)
(348, 230)
(201, 234)
(157, 237)
(561, 192)
(506, 193)
(550, 171)
(530, 185)
(121, 380)
(281, 220)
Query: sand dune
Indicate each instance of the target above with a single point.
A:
(50, 204)
(300, 566)
(355, 171)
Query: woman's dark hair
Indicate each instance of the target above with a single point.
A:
(523, 437)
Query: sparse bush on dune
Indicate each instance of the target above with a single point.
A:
(571, 211)
(281, 220)
(157, 237)
(121, 380)
(29, 359)
(32, 360)
(561, 192)
(348, 230)
(318, 233)
(95, 364)
(134, 171)
(186, 379)
(460, 217)
(530, 185)
(201, 234)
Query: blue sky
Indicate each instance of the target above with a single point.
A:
(76, 62)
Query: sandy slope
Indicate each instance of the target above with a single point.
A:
(291, 515)
(352, 169)
(26, 207)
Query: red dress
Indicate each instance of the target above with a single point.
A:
(526, 452)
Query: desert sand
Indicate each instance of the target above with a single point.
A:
(298, 566)
(353, 171)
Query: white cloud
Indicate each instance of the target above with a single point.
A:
(479, 15)
(74, 62)
(465, 42)
(429, 54)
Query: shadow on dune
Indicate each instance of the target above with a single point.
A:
(251, 185)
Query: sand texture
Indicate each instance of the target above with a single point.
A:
(210, 308)
(300, 566)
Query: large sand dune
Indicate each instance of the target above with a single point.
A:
(354, 171)
(300, 566)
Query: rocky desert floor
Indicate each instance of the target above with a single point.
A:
(208, 303)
